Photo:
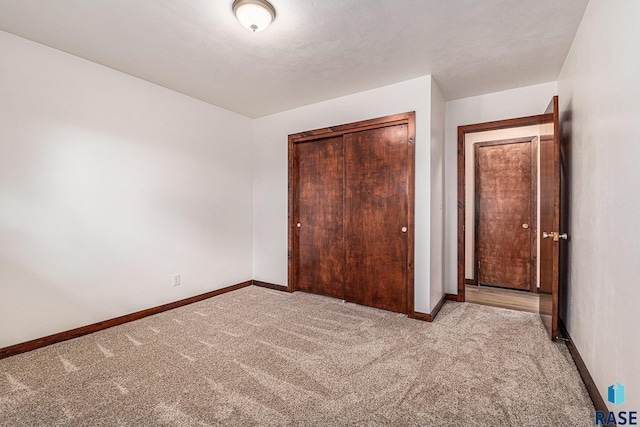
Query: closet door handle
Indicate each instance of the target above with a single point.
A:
(404, 229)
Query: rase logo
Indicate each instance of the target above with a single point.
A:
(615, 395)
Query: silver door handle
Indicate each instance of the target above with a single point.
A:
(404, 229)
(555, 235)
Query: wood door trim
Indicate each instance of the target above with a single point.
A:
(291, 242)
(533, 256)
(504, 141)
(462, 132)
(508, 123)
(411, 134)
(396, 119)
(318, 134)
(534, 215)
(476, 214)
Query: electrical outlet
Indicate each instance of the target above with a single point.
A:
(176, 280)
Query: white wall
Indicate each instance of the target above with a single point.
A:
(108, 186)
(520, 102)
(438, 111)
(599, 98)
(270, 172)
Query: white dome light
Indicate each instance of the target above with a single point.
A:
(254, 15)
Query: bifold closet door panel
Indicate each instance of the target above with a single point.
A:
(375, 212)
(319, 206)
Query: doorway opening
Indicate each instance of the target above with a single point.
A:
(553, 174)
(504, 280)
(504, 212)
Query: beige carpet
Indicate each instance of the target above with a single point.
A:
(262, 357)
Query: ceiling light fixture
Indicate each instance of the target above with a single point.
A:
(254, 15)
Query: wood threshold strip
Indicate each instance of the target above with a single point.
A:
(589, 383)
(95, 327)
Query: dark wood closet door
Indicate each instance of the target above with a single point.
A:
(319, 200)
(375, 212)
(503, 214)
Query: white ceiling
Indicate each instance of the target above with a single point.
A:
(315, 49)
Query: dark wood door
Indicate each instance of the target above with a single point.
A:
(319, 205)
(376, 217)
(351, 194)
(550, 214)
(505, 213)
